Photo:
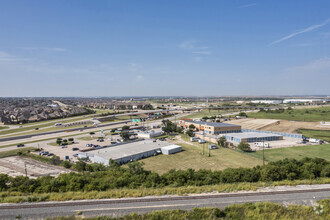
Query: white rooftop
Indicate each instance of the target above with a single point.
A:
(171, 147)
(129, 149)
(251, 135)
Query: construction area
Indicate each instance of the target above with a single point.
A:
(21, 166)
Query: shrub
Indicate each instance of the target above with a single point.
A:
(244, 147)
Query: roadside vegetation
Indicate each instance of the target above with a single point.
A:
(260, 210)
(16, 152)
(98, 178)
(3, 127)
(301, 114)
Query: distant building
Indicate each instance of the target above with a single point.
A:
(303, 101)
(266, 101)
(211, 127)
(149, 134)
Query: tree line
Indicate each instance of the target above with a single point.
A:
(97, 177)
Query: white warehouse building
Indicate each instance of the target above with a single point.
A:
(266, 101)
(126, 152)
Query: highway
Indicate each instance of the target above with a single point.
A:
(119, 207)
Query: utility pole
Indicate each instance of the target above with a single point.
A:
(209, 152)
(263, 152)
(25, 169)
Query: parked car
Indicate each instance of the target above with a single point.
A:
(100, 140)
(64, 146)
(42, 153)
(20, 145)
(50, 154)
(201, 141)
(36, 129)
(75, 155)
(75, 148)
(91, 133)
(85, 126)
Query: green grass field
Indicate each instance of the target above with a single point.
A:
(3, 127)
(191, 157)
(319, 134)
(306, 114)
(321, 151)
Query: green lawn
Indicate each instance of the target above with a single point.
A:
(15, 152)
(3, 127)
(191, 157)
(321, 151)
(306, 114)
(319, 134)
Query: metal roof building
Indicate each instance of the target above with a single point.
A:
(249, 137)
(126, 152)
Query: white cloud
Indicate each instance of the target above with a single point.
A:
(248, 5)
(5, 57)
(311, 28)
(191, 45)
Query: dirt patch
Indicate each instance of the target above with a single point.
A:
(15, 166)
(250, 123)
(293, 126)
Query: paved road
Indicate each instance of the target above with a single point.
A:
(118, 207)
(62, 133)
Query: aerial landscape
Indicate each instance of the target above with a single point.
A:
(164, 109)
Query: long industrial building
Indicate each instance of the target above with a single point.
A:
(126, 152)
(250, 137)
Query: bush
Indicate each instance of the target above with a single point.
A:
(244, 147)
(190, 133)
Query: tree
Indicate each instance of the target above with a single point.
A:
(59, 142)
(71, 139)
(113, 130)
(222, 141)
(244, 147)
(80, 166)
(192, 127)
(242, 114)
(125, 127)
(125, 135)
(205, 118)
(190, 133)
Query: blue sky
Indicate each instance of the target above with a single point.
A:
(164, 47)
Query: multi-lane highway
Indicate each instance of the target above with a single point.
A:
(118, 207)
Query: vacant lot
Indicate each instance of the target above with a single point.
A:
(15, 166)
(250, 123)
(294, 126)
(321, 151)
(191, 157)
(307, 114)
